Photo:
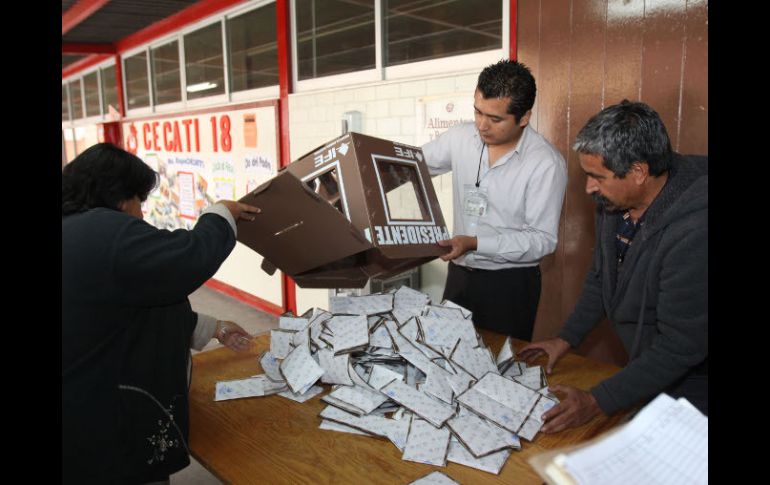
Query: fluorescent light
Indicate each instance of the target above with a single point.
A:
(194, 88)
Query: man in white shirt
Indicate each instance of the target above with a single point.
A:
(508, 184)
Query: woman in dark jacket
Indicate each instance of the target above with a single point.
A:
(127, 323)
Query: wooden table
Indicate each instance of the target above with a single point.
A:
(274, 440)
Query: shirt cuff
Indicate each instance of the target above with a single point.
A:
(204, 331)
(486, 245)
(222, 211)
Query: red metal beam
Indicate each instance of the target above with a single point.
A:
(191, 14)
(81, 10)
(74, 48)
(513, 30)
(283, 31)
(84, 63)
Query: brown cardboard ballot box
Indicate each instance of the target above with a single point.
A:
(355, 208)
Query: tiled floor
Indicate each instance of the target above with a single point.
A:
(222, 307)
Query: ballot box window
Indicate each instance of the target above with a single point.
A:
(328, 185)
(402, 190)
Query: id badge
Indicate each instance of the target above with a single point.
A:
(475, 202)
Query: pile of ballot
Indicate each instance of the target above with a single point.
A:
(406, 370)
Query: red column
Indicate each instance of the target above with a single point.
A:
(283, 30)
(512, 29)
(119, 85)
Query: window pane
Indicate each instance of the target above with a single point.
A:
(204, 66)
(77, 101)
(165, 71)
(418, 30)
(109, 90)
(334, 36)
(137, 90)
(91, 85)
(403, 191)
(65, 109)
(253, 49)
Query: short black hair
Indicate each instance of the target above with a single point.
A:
(104, 175)
(509, 79)
(625, 133)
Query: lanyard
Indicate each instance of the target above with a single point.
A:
(479, 170)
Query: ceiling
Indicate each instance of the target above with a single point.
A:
(105, 22)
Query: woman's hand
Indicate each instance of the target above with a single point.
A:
(232, 336)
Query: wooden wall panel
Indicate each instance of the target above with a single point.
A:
(693, 124)
(624, 35)
(587, 74)
(589, 54)
(662, 60)
(552, 116)
(589, 33)
(528, 43)
(623, 59)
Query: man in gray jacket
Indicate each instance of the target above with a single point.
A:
(649, 274)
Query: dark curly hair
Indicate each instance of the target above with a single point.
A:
(509, 79)
(104, 176)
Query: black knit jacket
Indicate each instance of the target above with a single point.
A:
(658, 301)
(126, 330)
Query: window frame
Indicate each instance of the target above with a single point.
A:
(446, 65)
(420, 69)
(173, 105)
(215, 99)
(228, 97)
(144, 110)
(83, 75)
(335, 80)
(103, 116)
(101, 66)
(66, 87)
(79, 80)
(256, 94)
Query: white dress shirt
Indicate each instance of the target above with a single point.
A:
(525, 190)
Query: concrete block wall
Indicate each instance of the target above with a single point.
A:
(388, 110)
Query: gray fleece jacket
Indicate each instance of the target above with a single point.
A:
(658, 301)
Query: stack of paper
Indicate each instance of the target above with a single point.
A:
(665, 443)
(406, 370)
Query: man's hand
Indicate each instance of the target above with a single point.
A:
(555, 348)
(576, 408)
(460, 245)
(240, 210)
(232, 336)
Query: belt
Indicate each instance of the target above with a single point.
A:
(469, 269)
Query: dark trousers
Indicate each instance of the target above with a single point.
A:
(504, 300)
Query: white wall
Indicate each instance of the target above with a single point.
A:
(389, 110)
